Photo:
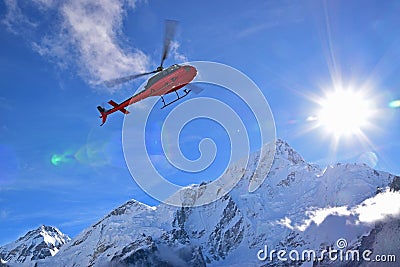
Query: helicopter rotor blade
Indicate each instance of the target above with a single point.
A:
(170, 29)
(117, 81)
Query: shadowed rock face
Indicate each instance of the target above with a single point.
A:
(395, 184)
(382, 240)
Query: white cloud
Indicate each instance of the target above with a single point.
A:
(87, 37)
(319, 215)
(93, 27)
(286, 222)
(378, 208)
(177, 55)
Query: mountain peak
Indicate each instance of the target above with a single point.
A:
(284, 151)
(39, 243)
(286, 155)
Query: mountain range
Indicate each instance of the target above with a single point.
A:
(299, 207)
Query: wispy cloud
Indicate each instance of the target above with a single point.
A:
(4, 104)
(45, 4)
(272, 16)
(14, 20)
(87, 36)
(256, 29)
(176, 54)
(3, 214)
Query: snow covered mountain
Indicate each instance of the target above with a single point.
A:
(40, 243)
(298, 207)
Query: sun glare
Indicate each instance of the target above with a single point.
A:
(344, 112)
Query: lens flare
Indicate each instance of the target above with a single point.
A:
(370, 158)
(93, 154)
(58, 159)
(98, 152)
(395, 104)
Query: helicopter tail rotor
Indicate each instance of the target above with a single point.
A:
(103, 113)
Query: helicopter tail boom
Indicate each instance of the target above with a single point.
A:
(115, 105)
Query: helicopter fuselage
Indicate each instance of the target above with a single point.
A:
(168, 80)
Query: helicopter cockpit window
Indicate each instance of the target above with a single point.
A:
(172, 68)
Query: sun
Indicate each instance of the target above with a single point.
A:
(345, 112)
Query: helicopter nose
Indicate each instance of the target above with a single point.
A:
(192, 71)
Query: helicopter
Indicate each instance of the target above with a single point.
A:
(165, 81)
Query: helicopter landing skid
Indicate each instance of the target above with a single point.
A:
(186, 91)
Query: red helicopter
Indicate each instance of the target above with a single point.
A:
(164, 82)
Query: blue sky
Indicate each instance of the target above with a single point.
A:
(55, 55)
